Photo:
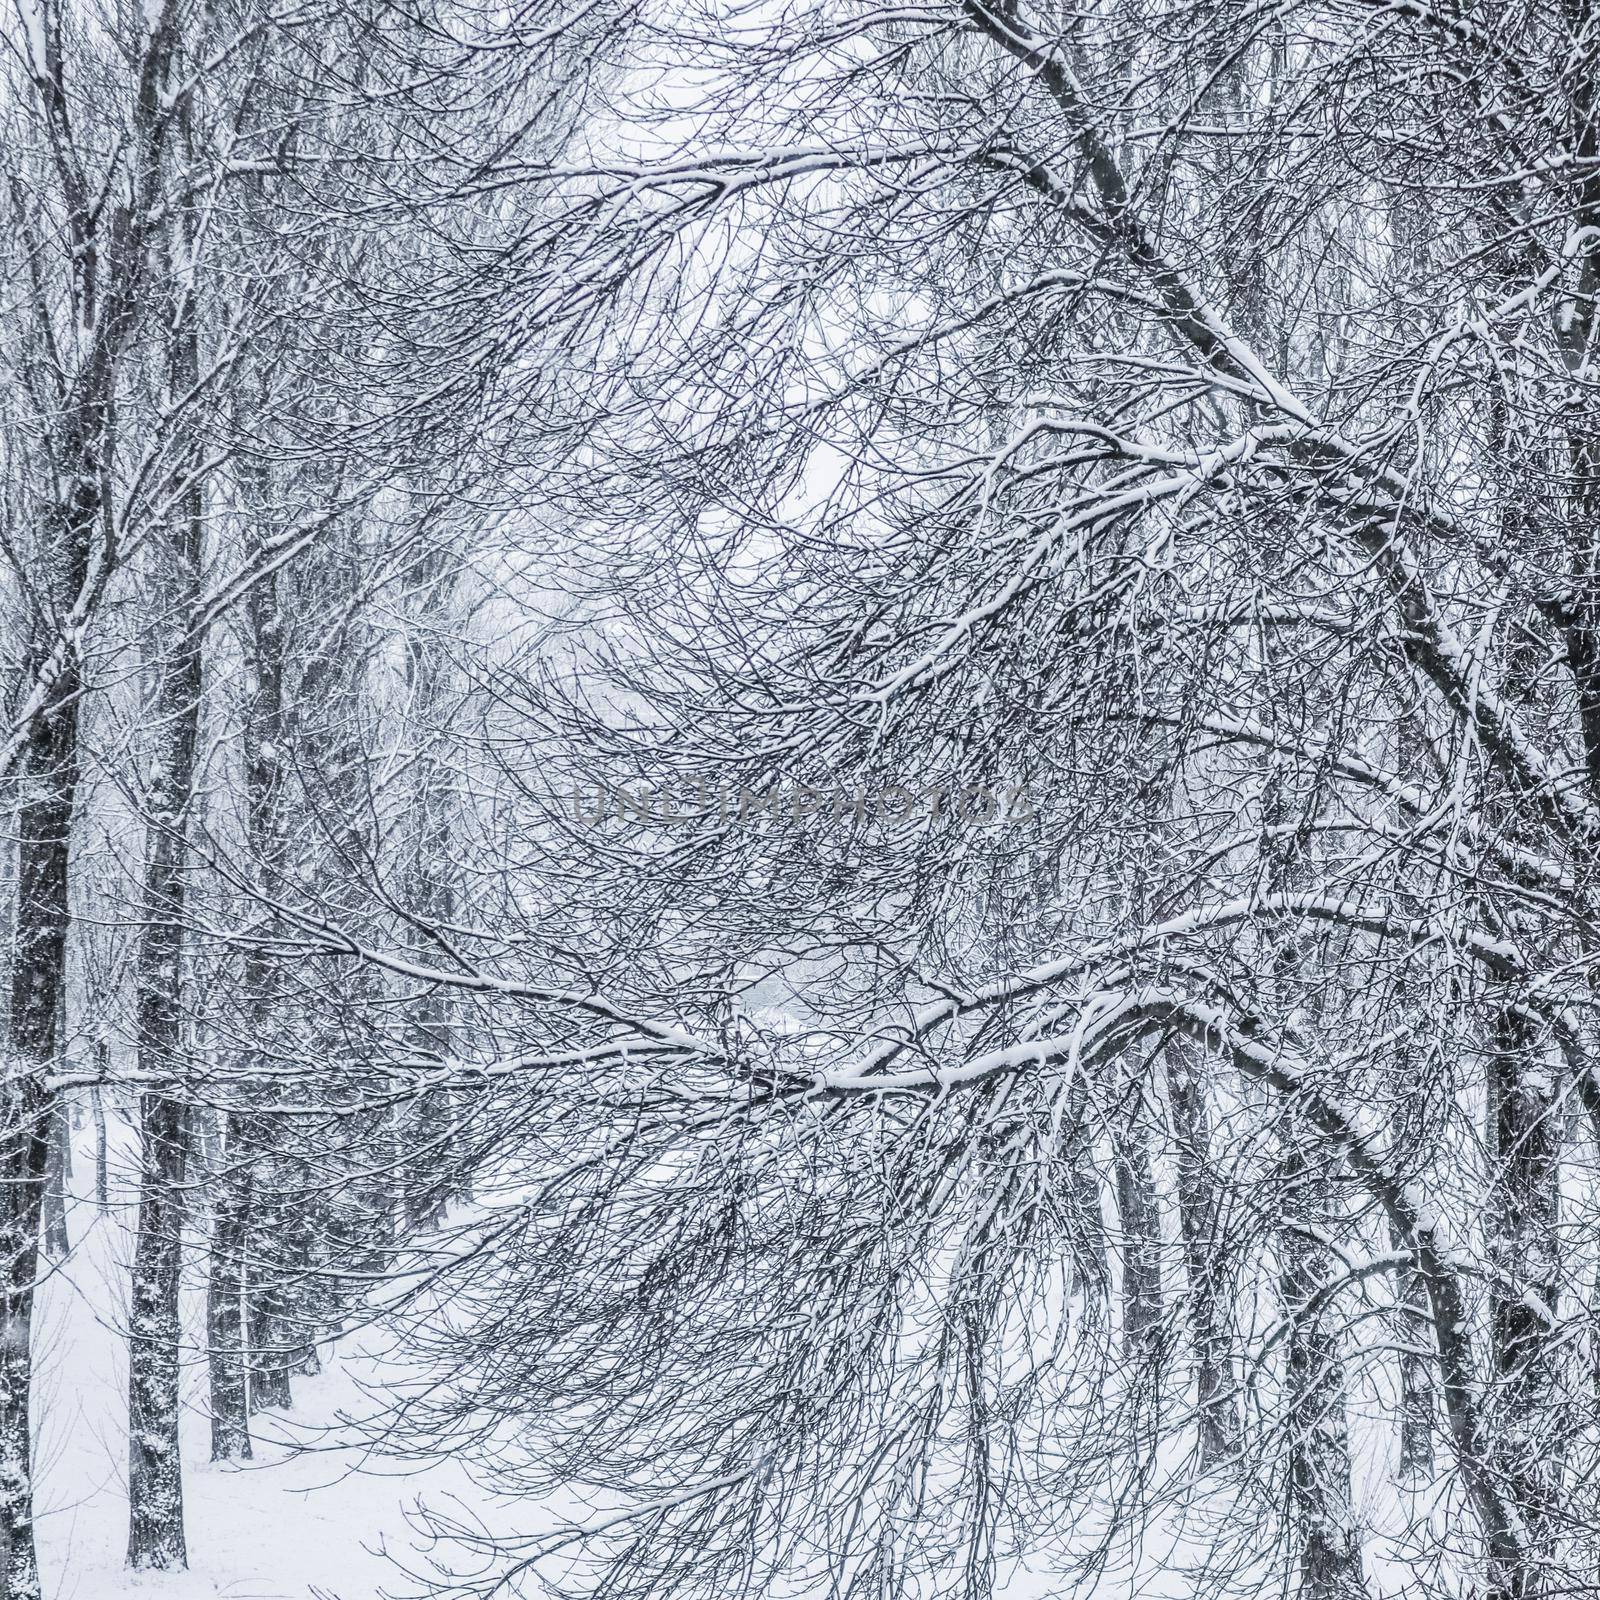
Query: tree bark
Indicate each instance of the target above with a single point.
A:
(49, 772)
(155, 1468)
(267, 1307)
(429, 1178)
(1416, 1376)
(1091, 1274)
(1522, 1253)
(1314, 1388)
(225, 1318)
(1314, 1403)
(58, 1170)
(102, 1197)
(1140, 1225)
(1215, 1396)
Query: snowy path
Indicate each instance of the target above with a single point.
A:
(313, 1523)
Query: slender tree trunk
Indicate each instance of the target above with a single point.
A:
(225, 1318)
(268, 1264)
(248, 1239)
(1091, 1272)
(424, 1179)
(24, 1151)
(38, 978)
(1314, 1400)
(306, 1308)
(430, 1175)
(1197, 1221)
(48, 774)
(1140, 1224)
(267, 1309)
(102, 1197)
(155, 1468)
(58, 1172)
(1522, 1252)
(1314, 1385)
(1414, 1326)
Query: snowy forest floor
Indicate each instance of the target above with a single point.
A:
(316, 1515)
(309, 1519)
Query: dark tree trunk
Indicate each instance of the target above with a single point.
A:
(68, 1117)
(1314, 1389)
(1314, 1400)
(225, 1319)
(1197, 1222)
(1091, 1270)
(1522, 1251)
(1140, 1225)
(267, 1304)
(155, 1467)
(1415, 1328)
(58, 1172)
(430, 1175)
(102, 1197)
(49, 774)
(268, 1257)
(249, 1365)
(307, 1308)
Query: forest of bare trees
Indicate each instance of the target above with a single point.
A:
(850, 750)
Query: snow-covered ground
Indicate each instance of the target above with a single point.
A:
(296, 1524)
(315, 1516)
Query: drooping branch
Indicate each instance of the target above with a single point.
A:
(1373, 505)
